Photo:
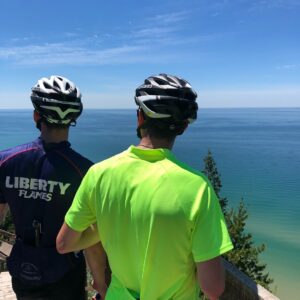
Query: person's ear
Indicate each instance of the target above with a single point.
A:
(36, 116)
(141, 118)
(183, 128)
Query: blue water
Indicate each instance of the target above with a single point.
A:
(257, 153)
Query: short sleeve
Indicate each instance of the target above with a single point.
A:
(210, 236)
(82, 212)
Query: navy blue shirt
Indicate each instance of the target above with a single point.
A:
(39, 182)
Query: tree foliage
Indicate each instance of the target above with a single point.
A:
(211, 171)
(7, 224)
(245, 255)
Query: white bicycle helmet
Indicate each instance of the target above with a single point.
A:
(167, 97)
(57, 100)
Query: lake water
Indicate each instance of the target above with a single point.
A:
(257, 152)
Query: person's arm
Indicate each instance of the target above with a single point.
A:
(96, 261)
(210, 240)
(69, 240)
(3, 211)
(211, 277)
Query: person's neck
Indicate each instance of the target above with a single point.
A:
(154, 143)
(54, 135)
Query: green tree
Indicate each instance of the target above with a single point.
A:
(211, 171)
(245, 255)
(7, 226)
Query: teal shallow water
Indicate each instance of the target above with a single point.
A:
(257, 153)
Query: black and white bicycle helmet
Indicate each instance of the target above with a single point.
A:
(57, 100)
(167, 97)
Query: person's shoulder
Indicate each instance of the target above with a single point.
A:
(188, 171)
(78, 160)
(110, 161)
(18, 150)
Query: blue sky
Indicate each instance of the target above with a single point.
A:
(234, 53)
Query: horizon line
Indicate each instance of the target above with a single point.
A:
(130, 108)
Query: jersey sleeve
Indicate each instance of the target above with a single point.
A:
(210, 236)
(82, 212)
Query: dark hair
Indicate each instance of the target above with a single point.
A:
(162, 128)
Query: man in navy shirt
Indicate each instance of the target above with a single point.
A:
(38, 181)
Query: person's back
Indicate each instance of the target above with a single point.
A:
(158, 219)
(38, 181)
(149, 206)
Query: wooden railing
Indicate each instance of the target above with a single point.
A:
(6, 241)
(241, 287)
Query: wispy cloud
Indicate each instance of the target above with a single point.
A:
(61, 54)
(153, 32)
(289, 67)
(170, 18)
(274, 4)
(18, 40)
(165, 30)
(162, 28)
(134, 46)
(71, 34)
(218, 7)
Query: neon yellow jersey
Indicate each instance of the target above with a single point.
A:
(156, 217)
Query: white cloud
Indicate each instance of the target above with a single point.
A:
(217, 7)
(289, 67)
(22, 39)
(71, 34)
(169, 18)
(157, 33)
(160, 26)
(62, 54)
(260, 5)
(153, 32)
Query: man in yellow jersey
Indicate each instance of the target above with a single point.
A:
(158, 219)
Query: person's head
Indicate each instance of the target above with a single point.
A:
(57, 102)
(167, 104)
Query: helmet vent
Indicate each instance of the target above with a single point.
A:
(48, 86)
(55, 84)
(161, 82)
